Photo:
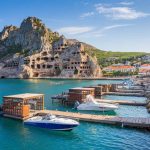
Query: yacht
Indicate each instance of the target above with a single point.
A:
(129, 85)
(93, 105)
(52, 122)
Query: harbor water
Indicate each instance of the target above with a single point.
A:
(88, 136)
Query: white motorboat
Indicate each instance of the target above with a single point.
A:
(91, 104)
(52, 122)
(129, 85)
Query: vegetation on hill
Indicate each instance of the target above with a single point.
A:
(106, 58)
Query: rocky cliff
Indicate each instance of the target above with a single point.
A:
(33, 50)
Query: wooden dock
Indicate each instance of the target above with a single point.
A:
(124, 94)
(130, 91)
(135, 122)
(122, 102)
(63, 99)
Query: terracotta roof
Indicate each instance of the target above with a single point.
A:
(144, 70)
(120, 67)
(145, 65)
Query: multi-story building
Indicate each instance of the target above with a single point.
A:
(120, 68)
(144, 69)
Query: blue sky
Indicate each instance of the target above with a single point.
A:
(116, 25)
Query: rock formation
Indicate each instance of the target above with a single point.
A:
(32, 50)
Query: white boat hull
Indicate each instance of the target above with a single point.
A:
(96, 108)
(92, 105)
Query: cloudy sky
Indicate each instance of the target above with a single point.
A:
(116, 25)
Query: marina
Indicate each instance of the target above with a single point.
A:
(74, 75)
(130, 116)
(27, 105)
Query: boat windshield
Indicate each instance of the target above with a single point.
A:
(90, 99)
(49, 117)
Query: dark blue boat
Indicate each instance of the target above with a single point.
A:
(52, 122)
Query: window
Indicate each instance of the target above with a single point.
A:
(44, 53)
(32, 66)
(52, 58)
(45, 58)
(43, 66)
(49, 66)
(38, 66)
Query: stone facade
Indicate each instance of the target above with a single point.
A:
(39, 52)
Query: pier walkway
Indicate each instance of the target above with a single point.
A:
(124, 94)
(122, 102)
(104, 119)
(129, 91)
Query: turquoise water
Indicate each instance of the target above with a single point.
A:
(88, 136)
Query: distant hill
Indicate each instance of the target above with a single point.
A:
(106, 58)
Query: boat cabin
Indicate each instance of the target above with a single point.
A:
(19, 106)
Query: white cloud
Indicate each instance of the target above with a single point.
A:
(125, 13)
(116, 26)
(126, 3)
(74, 30)
(88, 32)
(102, 32)
(88, 14)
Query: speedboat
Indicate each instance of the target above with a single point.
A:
(91, 104)
(52, 122)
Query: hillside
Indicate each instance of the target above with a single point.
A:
(33, 50)
(106, 58)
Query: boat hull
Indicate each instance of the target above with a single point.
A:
(96, 109)
(51, 126)
(92, 105)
